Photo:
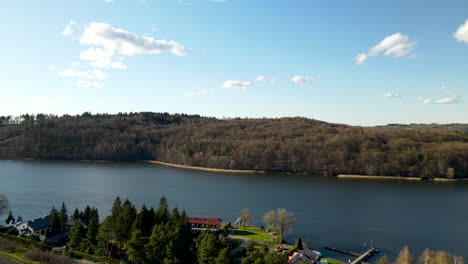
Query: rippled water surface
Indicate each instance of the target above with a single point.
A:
(329, 211)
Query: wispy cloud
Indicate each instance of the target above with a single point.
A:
(263, 78)
(449, 100)
(70, 29)
(237, 85)
(107, 41)
(303, 80)
(89, 84)
(424, 100)
(462, 33)
(199, 93)
(94, 74)
(41, 101)
(391, 95)
(397, 45)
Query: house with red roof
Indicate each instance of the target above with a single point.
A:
(198, 224)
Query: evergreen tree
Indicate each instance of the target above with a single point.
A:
(76, 215)
(116, 207)
(156, 247)
(136, 248)
(124, 222)
(299, 243)
(224, 257)
(162, 213)
(92, 232)
(144, 222)
(207, 250)
(54, 220)
(86, 214)
(75, 236)
(63, 216)
(19, 219)
(10, 219)
(106, 235)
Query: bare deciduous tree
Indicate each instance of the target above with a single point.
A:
(245, 217)
(280, 221)
(405, 256)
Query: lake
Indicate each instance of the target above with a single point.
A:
(343, 213)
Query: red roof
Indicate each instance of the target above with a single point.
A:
(204, 221)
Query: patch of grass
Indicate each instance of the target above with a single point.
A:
(332, 261)
(255, 234)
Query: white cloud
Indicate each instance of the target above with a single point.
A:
(51, 68)
(41, 101)
(397, 45)
(101, 58)
(89, 84)
(73, 64)
(462, 33)
(127, 43)
(442, 88)
(69, 29)
(100, 75)
(449, 100)
(108, 1)
(94, 74)
(73, 73)
(260, 78)
(190, 94)
(201, 92)
(303, 80)
(391, 95)
(424, 100)
(236, 85)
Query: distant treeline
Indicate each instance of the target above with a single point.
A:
(297, 145)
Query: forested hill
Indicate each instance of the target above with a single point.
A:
(284, 144)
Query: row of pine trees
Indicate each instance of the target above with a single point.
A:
(160, 236)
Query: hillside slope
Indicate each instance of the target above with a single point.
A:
(285, 144)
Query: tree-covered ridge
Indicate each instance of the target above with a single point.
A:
(294, 144)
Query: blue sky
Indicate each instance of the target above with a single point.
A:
(357, 62)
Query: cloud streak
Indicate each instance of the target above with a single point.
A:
(396, 45)
(236, 85)
(303, 80)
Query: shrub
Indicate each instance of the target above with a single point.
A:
(13, 232)
(47, 257)
(8, 246)
(26, 242)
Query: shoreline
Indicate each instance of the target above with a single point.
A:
(199, 168)
(354, 176)
(339, 176)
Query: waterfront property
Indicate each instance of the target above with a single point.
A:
(304, 256)
(41, 227)
(200, 224)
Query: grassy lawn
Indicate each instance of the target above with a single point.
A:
(255, 233)
(331, 261)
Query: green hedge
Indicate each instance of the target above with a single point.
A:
(82, 255)
(26, 242)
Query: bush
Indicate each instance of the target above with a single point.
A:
(13, 232)
(47, 257)
(8, 246)
(82, 255)
(26, 242)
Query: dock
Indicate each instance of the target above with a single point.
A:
(369, 253)
(360, 258)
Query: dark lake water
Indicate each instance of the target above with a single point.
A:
(343, 213)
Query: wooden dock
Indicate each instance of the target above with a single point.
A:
(349, 253)
(360, 258)
(369, 253)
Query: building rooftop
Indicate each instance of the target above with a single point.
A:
(204, 221)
